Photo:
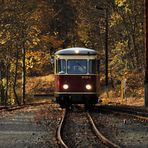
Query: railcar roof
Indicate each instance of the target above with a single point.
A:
(76, 50)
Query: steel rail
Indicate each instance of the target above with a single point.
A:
(2, 107)
(99, 134)
(130, 114)
(137, 116)
(126, 109)
(126, 112)
(59, 131)
(17, 107)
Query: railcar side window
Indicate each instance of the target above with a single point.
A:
(92, 66)
(61, 66)
(77, 66)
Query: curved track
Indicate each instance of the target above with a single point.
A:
(122, 125)
(100, 135)
(102, 141)
(61, 142)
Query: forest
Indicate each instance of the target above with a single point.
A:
(31, 31)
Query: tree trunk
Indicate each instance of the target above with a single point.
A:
(146, 53)
(7, 84)
(1, 87)
(23, 69)
(15, 78)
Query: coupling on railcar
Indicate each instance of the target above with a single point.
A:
(76, 76)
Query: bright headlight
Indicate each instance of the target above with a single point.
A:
(88, 86)
(65, 86)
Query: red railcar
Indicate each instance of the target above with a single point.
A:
(76, 76)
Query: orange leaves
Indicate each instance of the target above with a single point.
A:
(52, 40)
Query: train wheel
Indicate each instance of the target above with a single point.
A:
(89, 106)
(57, 99)
(65, 103)
(62, 105)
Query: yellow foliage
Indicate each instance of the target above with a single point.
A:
(3, 42)
(35, 59)
(115, 19)
(35, 41)
(120, 3)
(124, 4)
(4, 37)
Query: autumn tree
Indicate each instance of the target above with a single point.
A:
(127, 25)
(14, 32)
(31, 31)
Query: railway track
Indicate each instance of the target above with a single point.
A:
(59, 131)
(81, 131)
(16, 107)
(122, 126)
(108, 119)
(139, 113)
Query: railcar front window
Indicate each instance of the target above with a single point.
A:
(61, 66)
(77, 66)
(92, 66)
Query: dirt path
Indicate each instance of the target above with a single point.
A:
(19, 129)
